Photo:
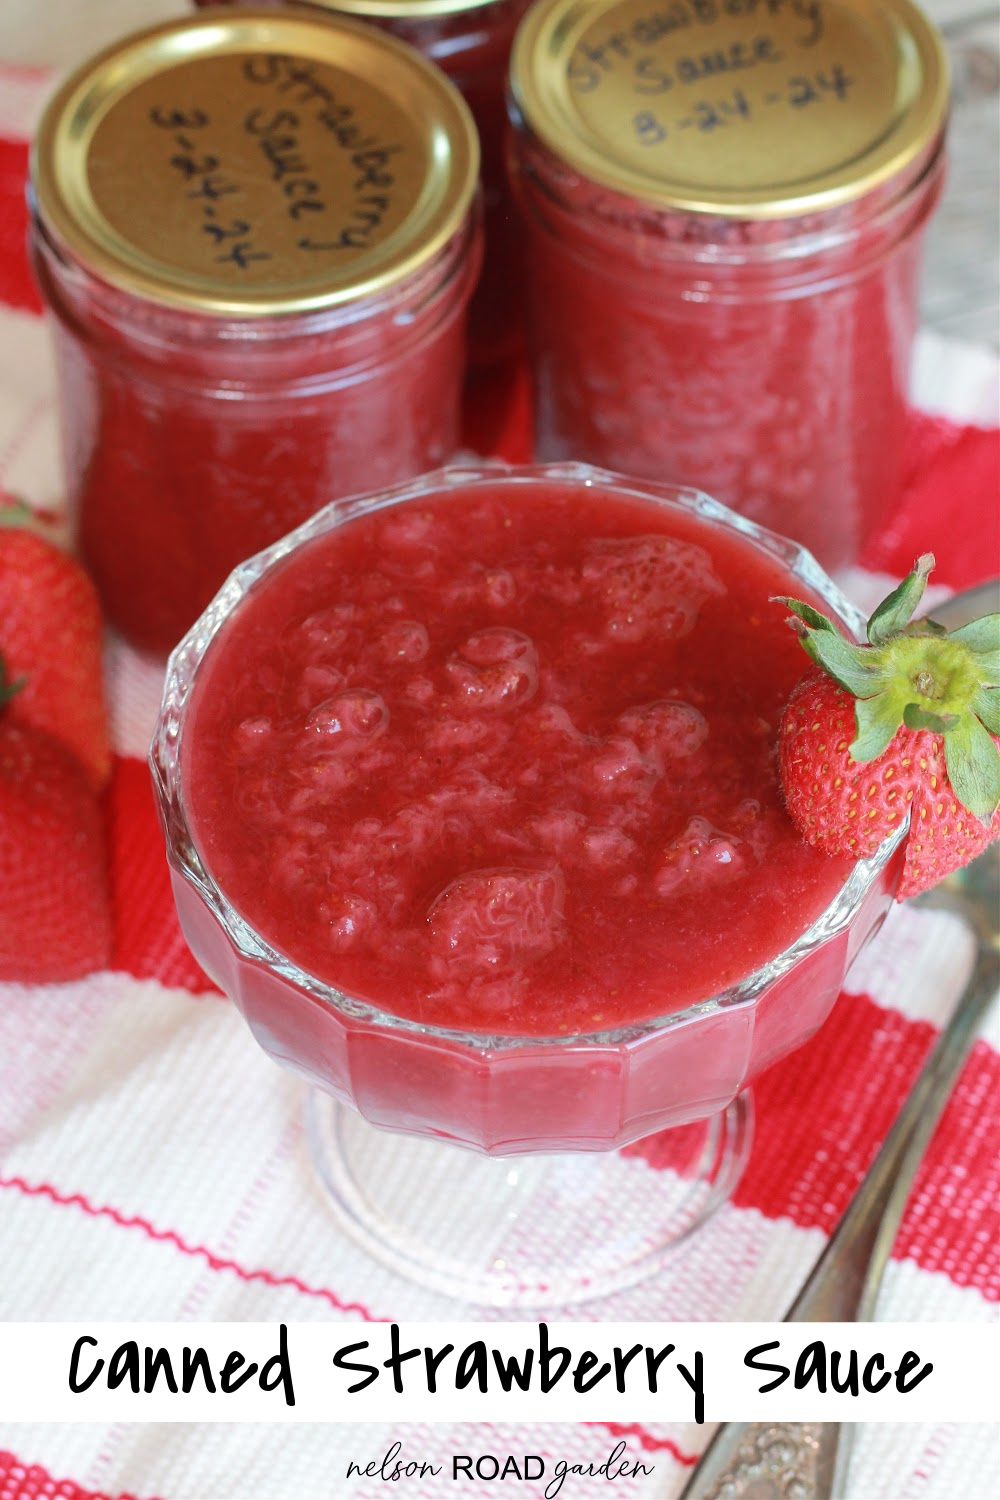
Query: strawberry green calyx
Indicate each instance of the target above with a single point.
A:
(17, 516)
(918, 676)
(15, 513)
(9, 687)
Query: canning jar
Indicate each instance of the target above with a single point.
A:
(470, 40)
(259, 236)
(723, 202)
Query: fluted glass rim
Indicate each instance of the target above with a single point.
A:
(184, 660)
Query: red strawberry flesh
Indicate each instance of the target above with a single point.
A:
(844, 806)
(55, 914)
(51, 636)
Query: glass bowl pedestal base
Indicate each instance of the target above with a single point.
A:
(537, 1230)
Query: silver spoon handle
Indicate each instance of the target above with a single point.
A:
(843, 1285)
(808, 1461)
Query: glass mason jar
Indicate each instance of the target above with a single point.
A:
(723, 204)
(259, 237)
(470, 40)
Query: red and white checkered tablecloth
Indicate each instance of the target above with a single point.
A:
(152, 1164)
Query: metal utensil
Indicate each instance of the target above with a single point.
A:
(808, 1461)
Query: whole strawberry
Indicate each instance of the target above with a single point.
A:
(55, 913)
(51, 638)
(905, 727)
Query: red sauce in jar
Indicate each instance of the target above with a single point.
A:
(260, 261)
(723, 206)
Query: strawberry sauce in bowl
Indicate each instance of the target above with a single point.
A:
(471, 803)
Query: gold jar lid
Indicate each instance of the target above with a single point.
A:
(751, 108)
(255, 163)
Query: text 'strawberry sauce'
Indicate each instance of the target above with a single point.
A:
(502, 759)
(723, 206)
(259, 236)
(470, 41)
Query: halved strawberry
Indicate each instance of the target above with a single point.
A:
(907, 726)
(51, 638)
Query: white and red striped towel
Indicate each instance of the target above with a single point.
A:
(152, 1165)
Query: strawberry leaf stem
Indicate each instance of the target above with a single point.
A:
(973, 768)
(15, 513)
(924, 718)
(876, 724)
(837, 656)
(987, 708)
(898, 608)
(9, 687)
(982, 637)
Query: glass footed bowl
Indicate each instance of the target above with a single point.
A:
(507, 1094)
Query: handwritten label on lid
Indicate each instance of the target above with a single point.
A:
(255, 171)
(736, 96)
(717, 104)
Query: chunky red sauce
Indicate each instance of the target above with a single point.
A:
(786, 402)
(504, 759)
(181, 461)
